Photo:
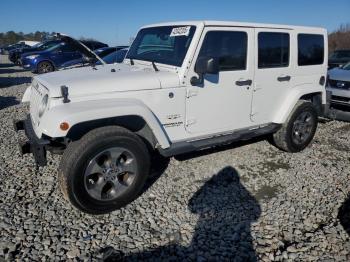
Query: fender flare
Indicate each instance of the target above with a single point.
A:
(26, 95)
(78, 112)
(293, 97)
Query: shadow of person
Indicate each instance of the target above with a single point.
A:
(11, 81)
(8, 101)
(226, 210)
(344, 215)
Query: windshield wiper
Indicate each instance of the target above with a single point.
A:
(131, 61)
(154, 66)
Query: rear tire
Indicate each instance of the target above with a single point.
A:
(105, 170)
(45, 67)
(298, 130)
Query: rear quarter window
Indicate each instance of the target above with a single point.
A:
(310, 49)
(273, 49)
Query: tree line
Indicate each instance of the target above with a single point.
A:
(340, 38)
(12, 37)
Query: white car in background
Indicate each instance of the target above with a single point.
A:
(30, 43)
(339, 85)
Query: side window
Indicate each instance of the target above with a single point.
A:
(310, 49)
(273, 49)
(228, 46)
(67, 48)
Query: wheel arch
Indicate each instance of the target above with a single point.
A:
(87, 115)
(316, 99)
(134, 123)
(306, 92)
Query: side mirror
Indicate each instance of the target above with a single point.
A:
(205, 65)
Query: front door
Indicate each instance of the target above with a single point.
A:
(65, 53)
(223, 101)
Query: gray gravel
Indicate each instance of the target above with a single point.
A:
(243, 202)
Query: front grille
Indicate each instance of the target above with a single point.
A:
(339, 84)
(340, 99)
(37, 94)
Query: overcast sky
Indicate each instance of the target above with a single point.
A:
(114, 22)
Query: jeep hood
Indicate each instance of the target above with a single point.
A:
(86, 81)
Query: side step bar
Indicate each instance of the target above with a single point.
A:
(196, 145)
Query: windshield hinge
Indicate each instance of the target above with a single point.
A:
(64, 92)
(155, 67)
(191, 92)
(190, 122)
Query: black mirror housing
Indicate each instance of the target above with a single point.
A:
(205, 65)
(213, 66)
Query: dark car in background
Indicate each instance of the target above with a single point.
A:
(52, 58)
(5, 50)
(108, 50)
(116, 57)
(93, 45)
(15, 54)
(339, 58)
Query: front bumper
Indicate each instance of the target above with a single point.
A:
(333, 113)
(28, 64)
(33, 144)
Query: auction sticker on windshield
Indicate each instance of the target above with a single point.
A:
(180, 31)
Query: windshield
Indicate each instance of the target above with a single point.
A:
(54, 47)
(346, 66)
(340, 54)
(47, 45)
(164, 44)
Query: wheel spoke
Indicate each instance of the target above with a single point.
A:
(127, 166)
(302, 127)
(94, 167)
(95, 189)
(113, 155)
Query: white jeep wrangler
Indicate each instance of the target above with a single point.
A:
(182, 87)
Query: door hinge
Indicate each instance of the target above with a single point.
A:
(191, 92)
(190, 122)
(253, 115)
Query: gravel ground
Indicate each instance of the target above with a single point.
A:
(243, 202)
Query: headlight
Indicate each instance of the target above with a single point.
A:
(32, 56)
(43, 105)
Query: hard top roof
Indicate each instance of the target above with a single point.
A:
(237, 24)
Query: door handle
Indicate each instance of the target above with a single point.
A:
(244, 82)
(283, 78)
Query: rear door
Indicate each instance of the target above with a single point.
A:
(273, 72)
(66, 53)
(222, 103)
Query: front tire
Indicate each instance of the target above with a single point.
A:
(45, 67)
(299, 129)
(105, 170)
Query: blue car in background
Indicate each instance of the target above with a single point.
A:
(15, 55)
(116, 56)
(52, 58)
